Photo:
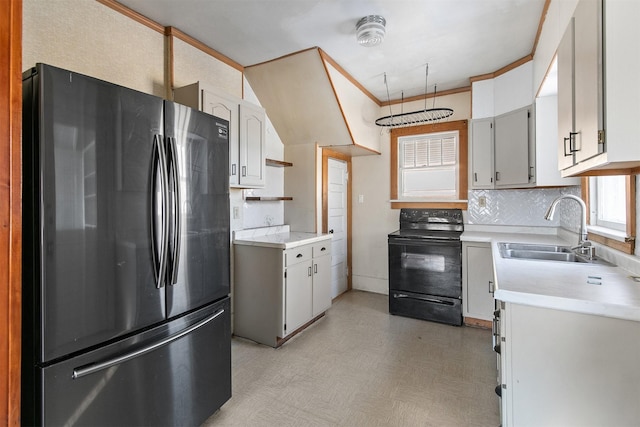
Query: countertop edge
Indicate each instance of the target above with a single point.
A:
(264, 242)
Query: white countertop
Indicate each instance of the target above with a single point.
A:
(560, 285)
(277, 237)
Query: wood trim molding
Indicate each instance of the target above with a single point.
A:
(348, 76)
(427, 96)
(335, 95)
(463, 156)
(503, 70)
(628, 246)
(10, 209)
(130, 13)
(430, 205)
(173, 31)
(168, 64)
(543, 17)
(328, 153)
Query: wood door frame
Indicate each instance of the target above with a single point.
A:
(328, 153)
(10, 208)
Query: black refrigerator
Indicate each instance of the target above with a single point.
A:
(126, 313)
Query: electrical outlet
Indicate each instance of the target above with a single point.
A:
(361, 198)
(482, 201)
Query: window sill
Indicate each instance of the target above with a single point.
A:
(430, 204)
(613, 238)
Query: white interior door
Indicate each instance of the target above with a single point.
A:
(337, 224)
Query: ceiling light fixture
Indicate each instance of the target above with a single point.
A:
(370, 30)
(416, 117)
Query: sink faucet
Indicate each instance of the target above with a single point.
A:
(582, 239)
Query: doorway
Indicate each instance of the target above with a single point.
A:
(336, 216)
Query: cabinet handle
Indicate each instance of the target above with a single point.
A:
(475, 177)
(233, 169)
(571, 144)
(497, 176)
(530, 172)
(299, 256)
(490, 286)
(315, 268)
(309, 271)
(244, 171)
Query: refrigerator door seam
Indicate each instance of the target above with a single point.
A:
(99, 366)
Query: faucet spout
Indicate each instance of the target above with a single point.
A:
(583, 208)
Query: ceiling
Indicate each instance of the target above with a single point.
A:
(459, 39)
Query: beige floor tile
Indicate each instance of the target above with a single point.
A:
(361, 366)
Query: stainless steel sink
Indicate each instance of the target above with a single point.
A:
(545, 253)
(535, 247)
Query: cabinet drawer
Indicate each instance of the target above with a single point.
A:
(322, 248)
(296, 255)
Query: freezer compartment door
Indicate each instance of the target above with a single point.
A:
(199, 250)
(171, 375)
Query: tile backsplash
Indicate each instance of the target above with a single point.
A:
(525, 207)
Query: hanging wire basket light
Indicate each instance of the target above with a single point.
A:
(416, 117)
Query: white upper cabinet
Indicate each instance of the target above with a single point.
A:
(252, 145)
(580, 87)
(481, 153)
(514, 145)
(502, 153)
(247, 131)
(599, 89)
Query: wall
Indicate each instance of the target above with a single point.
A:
(90, 38)
(373, 219)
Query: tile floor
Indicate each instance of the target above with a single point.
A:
(360, 366)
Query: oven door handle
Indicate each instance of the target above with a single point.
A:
(407, 241)
(421, 298)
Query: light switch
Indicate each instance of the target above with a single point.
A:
(360, 198)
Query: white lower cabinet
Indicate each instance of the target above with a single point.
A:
(562, 368)
(277, 291)
(477, 281)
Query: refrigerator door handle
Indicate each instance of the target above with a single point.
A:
(92, 368)
(159, 243)
(176, 232)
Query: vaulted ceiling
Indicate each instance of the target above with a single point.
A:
(459, 39)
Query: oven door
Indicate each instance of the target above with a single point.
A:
(425, 266)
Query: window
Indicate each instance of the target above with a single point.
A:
(429, 166)
(611, 201)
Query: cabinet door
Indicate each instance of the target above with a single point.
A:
(226, 108)
(252, 145)
(588, 78)
(565, 98)
(478, 300)
(321, 284)
(511, 142)
(481, 154)
(298, 295)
